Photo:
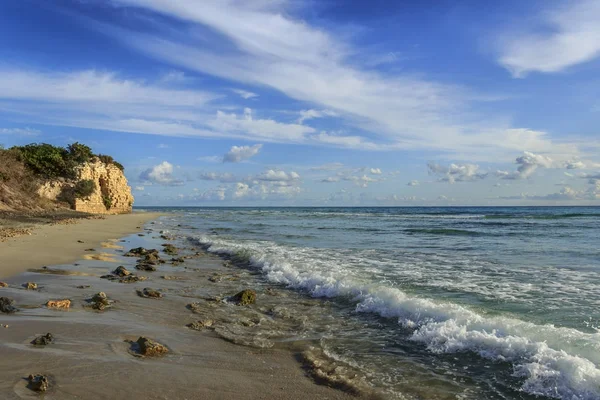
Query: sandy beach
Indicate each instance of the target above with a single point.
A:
(61, 243)
(92, 356)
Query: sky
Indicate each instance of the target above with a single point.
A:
(315, 103)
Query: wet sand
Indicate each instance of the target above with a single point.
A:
(92, 357)
(62, 243)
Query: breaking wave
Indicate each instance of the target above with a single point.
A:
(557, 362)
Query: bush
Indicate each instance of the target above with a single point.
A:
(84, 188)
(47, 160)
(79, 153)
(109, 160)
(107, 202)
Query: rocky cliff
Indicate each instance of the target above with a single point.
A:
(109, 194)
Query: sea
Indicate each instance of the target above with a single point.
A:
(422, 303)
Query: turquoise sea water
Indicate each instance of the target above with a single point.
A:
(498, 303)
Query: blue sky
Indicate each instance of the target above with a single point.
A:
(290, 102)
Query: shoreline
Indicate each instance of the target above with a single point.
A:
(200, 364)
(61, 243)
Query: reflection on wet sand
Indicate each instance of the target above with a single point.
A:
(97, 339)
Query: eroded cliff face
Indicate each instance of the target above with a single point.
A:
(112, 193)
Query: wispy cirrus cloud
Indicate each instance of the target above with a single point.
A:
(563, 37)
(244, 94)
(399, 111)
(20, 131)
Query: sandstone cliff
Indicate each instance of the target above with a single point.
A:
(111, 193)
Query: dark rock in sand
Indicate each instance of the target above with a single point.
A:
(30, 286)
(90, 249)
(121, 271)
(177, 260)
(227, 264)
(84, 286)
(80, 241)
(244, 298)
(100, 301)
(170, 249)
(38, 383)
(148, 347)
(43, 340)
(132, 279)
(6, 305)
(149, 293)
(145, 267)
(139, 252)
(201, 324)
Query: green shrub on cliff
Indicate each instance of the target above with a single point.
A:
(53, 162)
(79, 153)
(47, 160)
(84, 188)
(109, 160)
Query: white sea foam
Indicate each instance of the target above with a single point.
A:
(552, 361)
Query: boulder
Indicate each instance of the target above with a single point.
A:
(62, 304)
(201, 324)
(100, 301)
(38, 383)
(30, 286)
(244, 298)
(149, 293)
(43, 340)
(3, 284)
(170, 249)
(121, 271)
(6, 305)
(148, 347)
(145, 267)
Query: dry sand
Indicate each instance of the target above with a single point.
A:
(58, 244)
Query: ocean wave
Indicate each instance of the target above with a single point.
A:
(541, 216)
(443, 231)
(549, 361)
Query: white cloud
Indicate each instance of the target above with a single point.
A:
(375, 171)
(294, 58)
(216, 176)
(139, 188)
(456, 172)
(20, 131)
(91, 86)
(247, 126)
(331, 179)
(413, 183)
(310, 114)
(574, 164)
(528, 164)
(161, 174)
(565, 37)
(244, 94)
(277, 176)
(362, 181)
(163, 146)
(241, 153)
